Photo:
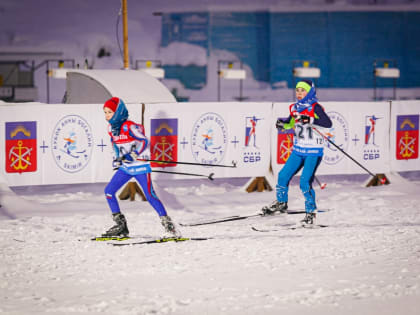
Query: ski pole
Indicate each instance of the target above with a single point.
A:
(322, 185)
(190, 163)
(178, 173)
(133, 147)
(382, 180)
(191, 174)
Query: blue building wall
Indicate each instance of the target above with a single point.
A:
(299, 36)
(343, 44)
(247, 36)
(191, 28)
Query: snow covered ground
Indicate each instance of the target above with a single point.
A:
(367, 261)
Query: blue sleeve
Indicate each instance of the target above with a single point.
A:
(117, 152)
(140, 138)
(322, 118)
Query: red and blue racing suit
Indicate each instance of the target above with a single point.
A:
(131, 140)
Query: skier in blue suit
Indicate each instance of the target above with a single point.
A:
(307, 152)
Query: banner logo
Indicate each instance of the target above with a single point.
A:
(339, 134)
(371, 150)
(209, 139)
(164, 141)
(72, 143)
(407, 137)
(251, 153)
(250, 130)
(21, 147)
(284, 144)
(370, 122)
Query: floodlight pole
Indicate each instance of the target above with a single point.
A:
(218, 80)
(374, 80)
(125, 34)
(48, 81)
(240, 86)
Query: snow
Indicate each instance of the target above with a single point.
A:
(184, 54)
(365, 262)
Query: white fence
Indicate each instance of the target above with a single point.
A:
(68, 143)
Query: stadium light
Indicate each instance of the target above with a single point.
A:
(305, 69)
(226, 71)
(302, 72)
(58, 73)
(387, 73)
(382, 69)
(233, 74)
(158, 73)
(151, 67)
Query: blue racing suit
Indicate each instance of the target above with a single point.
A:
(307, 152)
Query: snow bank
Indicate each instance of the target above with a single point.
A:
(365, 262)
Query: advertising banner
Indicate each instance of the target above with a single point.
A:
(55, 143)
(210, 133)
(404, 135)
(68, 143)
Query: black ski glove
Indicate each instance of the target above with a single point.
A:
(116, 163)
(304, 119)
(280, 124)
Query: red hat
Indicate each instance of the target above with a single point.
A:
(112, 103)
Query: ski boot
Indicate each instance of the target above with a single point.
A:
(169, 227)
(309, 219)
(120, 228)
(276, 206)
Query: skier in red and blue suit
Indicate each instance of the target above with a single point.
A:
(307, 152)
(131, 154)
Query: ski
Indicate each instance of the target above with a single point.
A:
(290, 227)
(163, 240)
(308, 227)
(226, 219)
(239, 217)
(110, 238)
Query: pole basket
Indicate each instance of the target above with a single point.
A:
(378, 180)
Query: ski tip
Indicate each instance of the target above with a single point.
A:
(263, 230)
(211, 176)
